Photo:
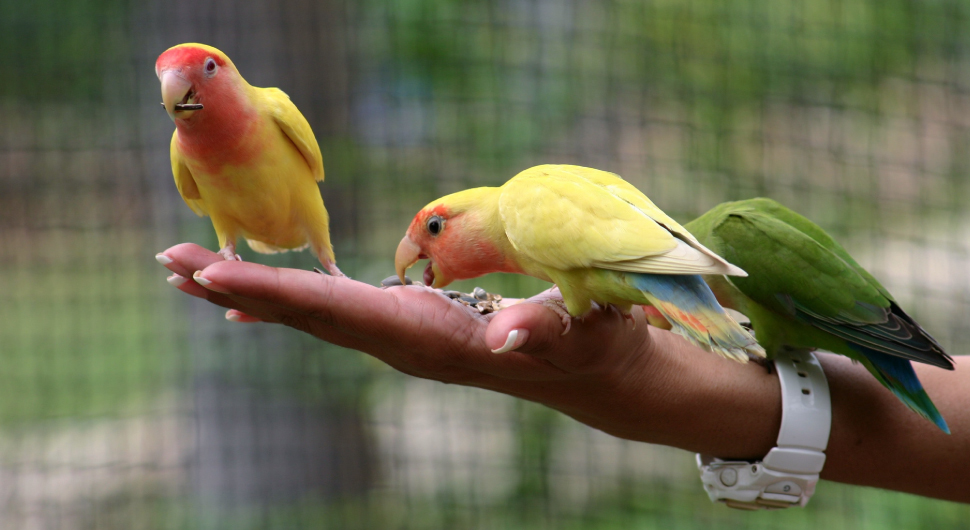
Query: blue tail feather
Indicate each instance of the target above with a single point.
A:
(690, 306)
(897, 374)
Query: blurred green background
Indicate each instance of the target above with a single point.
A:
(126, 405)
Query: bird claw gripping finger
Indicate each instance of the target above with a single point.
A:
(228, 253)
(559, 307)
(331, 267)
(627, 315)
(332, 270)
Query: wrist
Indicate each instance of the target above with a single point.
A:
(694, 400)
(787, 475)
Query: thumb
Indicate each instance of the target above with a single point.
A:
(526, 327)
(595, 342)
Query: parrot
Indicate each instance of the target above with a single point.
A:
(243, 155)
(804, 291)
(594, 235)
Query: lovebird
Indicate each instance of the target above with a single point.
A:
(804, 291)
(598, 238)
(243, 155)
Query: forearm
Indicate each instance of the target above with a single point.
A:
(682, 396)
(877, 441)
(734, 411)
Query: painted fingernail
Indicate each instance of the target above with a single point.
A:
(163, 259)
(207, 283)
(232, 316)
(516, 338)
(175, 280)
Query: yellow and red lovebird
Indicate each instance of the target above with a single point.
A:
(243, 155)
(598, 238)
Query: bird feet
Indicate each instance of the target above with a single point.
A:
(558, 306)
(627, 315)
(331, 267)
(228, 253)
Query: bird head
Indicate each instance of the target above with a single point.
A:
(461, 235)
(193, 76)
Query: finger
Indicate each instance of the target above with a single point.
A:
(416, 324)
(193, 288)
(235, 315)
(186, 258)
(187, 285)
(335, 301)
(586, 348)
(531, 324)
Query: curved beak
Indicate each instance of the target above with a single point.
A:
(175, 88)
(408, 253)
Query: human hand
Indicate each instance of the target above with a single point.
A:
(627, 379)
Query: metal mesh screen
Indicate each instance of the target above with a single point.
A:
(126, 405)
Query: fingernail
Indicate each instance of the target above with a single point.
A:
(516, 338)
(163, 259)
(207, 283)
(232, 316)
(175, 280)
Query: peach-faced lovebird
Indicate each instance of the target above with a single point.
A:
(594, 235)
(243, 155)
(805, 291)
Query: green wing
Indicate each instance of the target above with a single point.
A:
(796, 269)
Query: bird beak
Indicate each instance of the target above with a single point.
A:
(177, 94)
(408, 253)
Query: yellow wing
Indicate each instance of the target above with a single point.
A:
(294, 125)
(569, 217)
(184, 180)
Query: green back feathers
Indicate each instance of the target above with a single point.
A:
(798, 270)
(786, 255)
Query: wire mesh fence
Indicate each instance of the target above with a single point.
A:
(125, 405)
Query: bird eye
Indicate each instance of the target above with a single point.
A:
(210, 67)
(435, 225)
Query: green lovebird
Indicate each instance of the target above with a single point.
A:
(803, 290)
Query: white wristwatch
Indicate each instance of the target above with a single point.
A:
(788, 473)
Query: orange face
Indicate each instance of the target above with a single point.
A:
(456, 244)
(209, 103)
(190, 75)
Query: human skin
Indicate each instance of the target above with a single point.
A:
(632, 381)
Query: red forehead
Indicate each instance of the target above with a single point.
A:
(440, 210)
(422, 217)
(184, 55)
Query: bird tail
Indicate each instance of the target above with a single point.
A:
(693, 312)
(897, 374)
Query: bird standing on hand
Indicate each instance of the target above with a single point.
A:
(594, 235)
(243, 155)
